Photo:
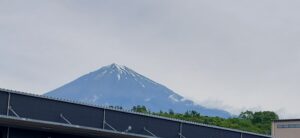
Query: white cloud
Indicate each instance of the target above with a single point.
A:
(243, 53)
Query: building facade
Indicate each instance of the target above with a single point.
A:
(289, 128)
(25, 115)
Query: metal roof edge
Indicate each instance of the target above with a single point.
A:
(129, 111)
(20, 119)
(286, 120)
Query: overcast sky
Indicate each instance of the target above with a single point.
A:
(229, 54)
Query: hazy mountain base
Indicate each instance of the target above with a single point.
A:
(257, 122)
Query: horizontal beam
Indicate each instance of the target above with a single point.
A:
(48, 126)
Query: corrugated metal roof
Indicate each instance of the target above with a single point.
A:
(48, 126)
(129, 111)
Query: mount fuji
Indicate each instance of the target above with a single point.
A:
(116, 85)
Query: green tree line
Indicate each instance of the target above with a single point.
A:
(257, 122)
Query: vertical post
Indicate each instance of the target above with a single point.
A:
(180, 130)
(273, 130)
(7, 113)
(103, 124)
(241, 135)
(7, 135)
(8, 104)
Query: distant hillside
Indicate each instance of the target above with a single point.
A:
(117, 85)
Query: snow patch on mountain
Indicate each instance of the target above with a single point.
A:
(119, 76)
(116, 85)
(173, 98)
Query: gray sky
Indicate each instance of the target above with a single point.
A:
(229, 54)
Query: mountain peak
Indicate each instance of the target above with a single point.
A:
(118, 69)
(117, 85)
(117, 66)
(115, 71)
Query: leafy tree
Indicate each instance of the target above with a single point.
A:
(171, 112)
(257, 122)
(264, 117)
(141, 109)
(246, 115)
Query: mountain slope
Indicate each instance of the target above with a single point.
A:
(120, 86)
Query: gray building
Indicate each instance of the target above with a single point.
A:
(288, 128)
